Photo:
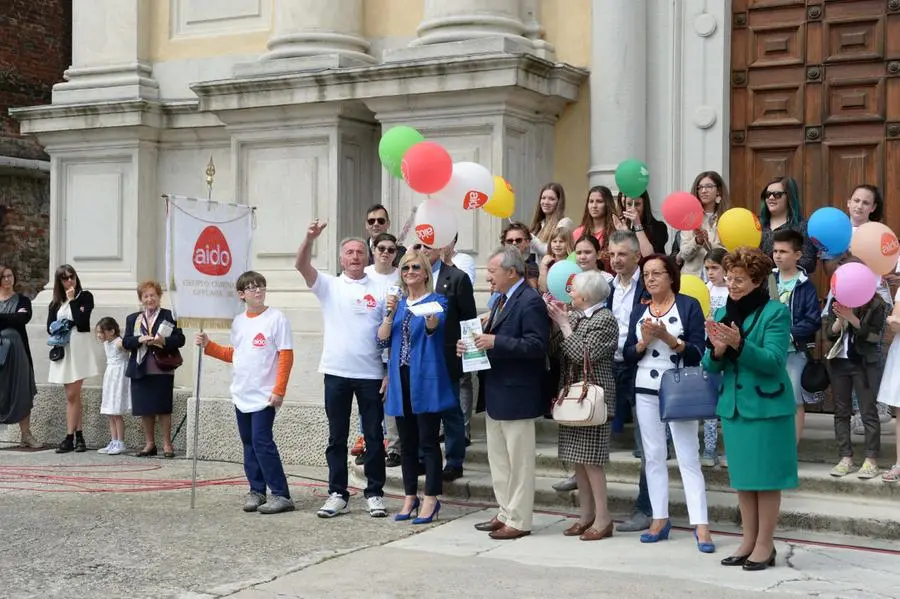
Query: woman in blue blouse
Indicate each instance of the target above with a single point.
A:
(418, 384)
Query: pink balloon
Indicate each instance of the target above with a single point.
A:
(426, 167)
(683, 211)
(854, 284)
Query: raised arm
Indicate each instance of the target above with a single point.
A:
(303, 263)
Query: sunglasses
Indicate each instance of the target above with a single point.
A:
(419, 247)
(378, 220)
(386, 248)
(411, 267)
(775, 194)
(67, 278)
(515, 240)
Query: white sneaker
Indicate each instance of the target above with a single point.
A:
(117, 448)
(376, 508)
(335, 505)
(108, 447)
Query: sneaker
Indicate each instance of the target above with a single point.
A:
(869, 470)
(360, 459)
(892, 475)
(29, 441)
(884, 413)
(375, 505)
(118, 448)
(335, 505)
(709, 459)
(856, 425)
(359, 447)
(636, 523)
(564, 486)
(276, 504)
(108, 447)
(253, 501)
(392, 460)
(843, 468)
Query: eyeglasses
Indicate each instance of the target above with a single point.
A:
(739, 281)
(386, 248)
(707, 187)
(419, 247)
(655, 274)
(411, 267)
(252, 287)
(515, 240)
(380, 220)
(775, 194)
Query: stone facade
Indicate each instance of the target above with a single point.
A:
(35, 49)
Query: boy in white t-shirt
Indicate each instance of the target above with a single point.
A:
(261, 352)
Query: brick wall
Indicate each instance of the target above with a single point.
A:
(35, 49)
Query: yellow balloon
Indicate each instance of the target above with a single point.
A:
(503, 202)
(694, 286)
(739, 227)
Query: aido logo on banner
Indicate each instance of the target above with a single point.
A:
(207, 249)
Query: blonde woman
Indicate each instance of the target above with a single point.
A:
(549, 214)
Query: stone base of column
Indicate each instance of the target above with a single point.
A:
(300, 64)
(486, 45)
(114, 82)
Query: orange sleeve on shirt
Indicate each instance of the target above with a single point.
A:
(283, 371)
(219, 352)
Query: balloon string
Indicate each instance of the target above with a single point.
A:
(404, 231)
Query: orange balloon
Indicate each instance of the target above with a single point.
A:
(877, 246)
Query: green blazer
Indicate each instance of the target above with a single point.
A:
(756, 384)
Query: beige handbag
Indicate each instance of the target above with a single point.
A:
(580, 404)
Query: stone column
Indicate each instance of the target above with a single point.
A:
(618, 86)
(109, 53)
(324, 33)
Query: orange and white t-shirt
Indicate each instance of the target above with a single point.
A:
(256, 342)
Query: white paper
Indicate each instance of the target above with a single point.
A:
(165, 329)
(426, 309)
(473, 359)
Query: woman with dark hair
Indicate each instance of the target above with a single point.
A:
(549, 214)
(781, 208)
(74, 305)
(637, 216)
(693, 246)
(748, 344)
(17, 386)
(667, 331)
(149, 335)
(600, 217)
(589, 255)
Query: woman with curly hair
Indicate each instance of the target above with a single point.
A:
(747, 343)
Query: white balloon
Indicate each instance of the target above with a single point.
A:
(471, 186)
(435, 224)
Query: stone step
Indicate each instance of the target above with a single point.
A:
(804, 512)
(623, 467)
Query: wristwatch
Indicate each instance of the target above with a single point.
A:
(678, 345)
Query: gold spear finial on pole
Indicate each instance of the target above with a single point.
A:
(210, 177)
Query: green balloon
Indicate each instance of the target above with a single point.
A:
(572, 258)
(632, 177)
(394, 144)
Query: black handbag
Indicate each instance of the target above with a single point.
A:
(688, 394)
(57, 353)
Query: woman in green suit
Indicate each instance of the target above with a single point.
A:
(748, 343)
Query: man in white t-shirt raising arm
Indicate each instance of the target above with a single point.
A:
(352, 309)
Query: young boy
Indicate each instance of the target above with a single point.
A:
(261, 352)
(798, 293)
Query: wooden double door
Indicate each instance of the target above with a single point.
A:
(815, 95)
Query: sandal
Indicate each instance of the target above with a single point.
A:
(892, 475)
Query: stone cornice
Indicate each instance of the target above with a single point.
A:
(58, 118)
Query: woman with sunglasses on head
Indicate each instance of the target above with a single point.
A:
(73, 304)
(781, 208)
(637, 216)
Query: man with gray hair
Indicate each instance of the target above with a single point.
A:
(516, 337)
(352, 310)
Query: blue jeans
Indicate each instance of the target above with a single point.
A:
(339, 392)
(625, 391)
(262, 464)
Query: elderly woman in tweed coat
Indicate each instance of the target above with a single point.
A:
(589, 328)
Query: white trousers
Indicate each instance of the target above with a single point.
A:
(511, 454)
(685, 437)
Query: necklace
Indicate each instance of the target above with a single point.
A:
(659, 309)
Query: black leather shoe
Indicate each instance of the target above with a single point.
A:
(360, 459)
(392, 460)
(750, 566)
(734, 560)
(451, 473)
(66, 446)
(145, 453)
(80, 445)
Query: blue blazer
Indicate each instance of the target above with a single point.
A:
(512, 389)
(430, 390)
(130, 341)
(694, 335)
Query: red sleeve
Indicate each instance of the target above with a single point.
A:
(283, 371)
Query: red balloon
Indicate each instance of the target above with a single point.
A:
(683, 211)
(427, 167)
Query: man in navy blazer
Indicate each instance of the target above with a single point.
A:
(516, 337)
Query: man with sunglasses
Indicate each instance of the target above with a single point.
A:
(378, 221)
(456, 286)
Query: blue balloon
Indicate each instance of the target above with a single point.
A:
(829, 229)
(559, 279)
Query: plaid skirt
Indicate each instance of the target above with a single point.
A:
(585, 444)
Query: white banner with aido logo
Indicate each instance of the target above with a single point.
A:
(207, 249)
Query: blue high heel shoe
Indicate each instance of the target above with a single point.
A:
(407, 516)
(703, 546)
(663, 535)
(431, 518)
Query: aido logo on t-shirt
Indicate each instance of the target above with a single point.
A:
(212, 256)
(370, 301)
(259, 340)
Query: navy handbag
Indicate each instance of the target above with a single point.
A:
(688, 394)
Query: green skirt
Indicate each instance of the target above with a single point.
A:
(762, 453)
